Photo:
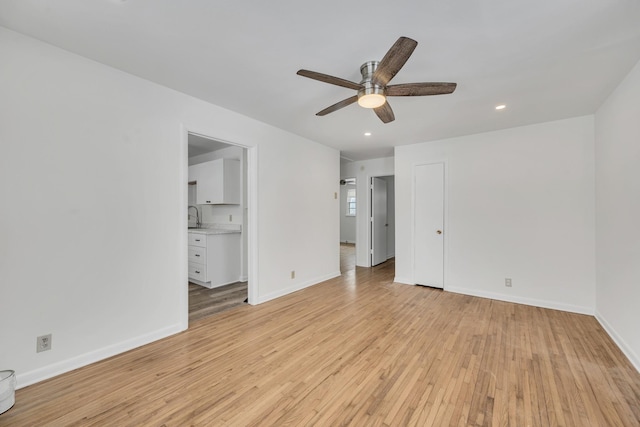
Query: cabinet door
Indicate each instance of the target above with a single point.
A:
(218, 182)
(194, 172)
(231, 188)
(209, 186)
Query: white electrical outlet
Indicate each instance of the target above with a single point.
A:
(507, 282)
(43, 343)
(293, 274)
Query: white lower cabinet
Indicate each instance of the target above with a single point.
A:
(214, 259)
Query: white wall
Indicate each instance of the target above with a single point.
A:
(519, 204)
(617, 157)
(363, 171)
(80, 256)
(347, 223)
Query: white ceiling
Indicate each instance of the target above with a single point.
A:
(547, 59)
(199, 145)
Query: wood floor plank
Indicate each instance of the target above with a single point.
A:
(356, 350)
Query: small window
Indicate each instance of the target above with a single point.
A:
(351, 202)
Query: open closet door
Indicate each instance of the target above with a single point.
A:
(378, 221)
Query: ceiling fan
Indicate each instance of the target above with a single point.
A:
(374, 87)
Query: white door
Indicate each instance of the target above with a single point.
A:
(378, 221)
(429, 230)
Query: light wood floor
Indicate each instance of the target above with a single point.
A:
(355, 350)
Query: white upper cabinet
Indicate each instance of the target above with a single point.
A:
(217, 182)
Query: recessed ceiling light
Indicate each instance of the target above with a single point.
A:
(501, 107)
(367, 134)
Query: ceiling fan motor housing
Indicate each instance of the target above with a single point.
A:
(368, 88)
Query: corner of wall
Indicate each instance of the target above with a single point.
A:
(620, 342)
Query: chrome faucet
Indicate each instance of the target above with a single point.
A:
(198, 223)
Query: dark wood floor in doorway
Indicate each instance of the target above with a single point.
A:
(204, 302)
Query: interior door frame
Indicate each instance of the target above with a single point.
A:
(372, 202)
(368, 201)
(445, 218)
(252, 220)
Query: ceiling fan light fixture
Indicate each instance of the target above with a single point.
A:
(371, 100)
(371, 96)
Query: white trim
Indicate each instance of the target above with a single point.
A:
(403, 280)
(368, 243)
(183, 263)
(252, 226)
(297, 287)
(621, 343)
(522, 300)
(67, 365)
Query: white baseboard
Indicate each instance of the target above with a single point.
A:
(243, 279)
(403, 280)
(46, 372)
(522, 300)
(296, 287)
(621, 343)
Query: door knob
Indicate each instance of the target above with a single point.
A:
(439, 231)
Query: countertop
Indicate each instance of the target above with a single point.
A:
(212, 231)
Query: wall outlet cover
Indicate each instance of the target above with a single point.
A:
(43, 343)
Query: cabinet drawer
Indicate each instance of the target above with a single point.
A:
(197, 254)
(197, 239)
(197, 271)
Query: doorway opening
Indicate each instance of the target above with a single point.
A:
(382, 229)
(348, 210)
(217, 222)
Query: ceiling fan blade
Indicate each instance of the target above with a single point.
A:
(338, 105)
(385, 113)
(329, 79)
(393, 60)
(420, 89)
